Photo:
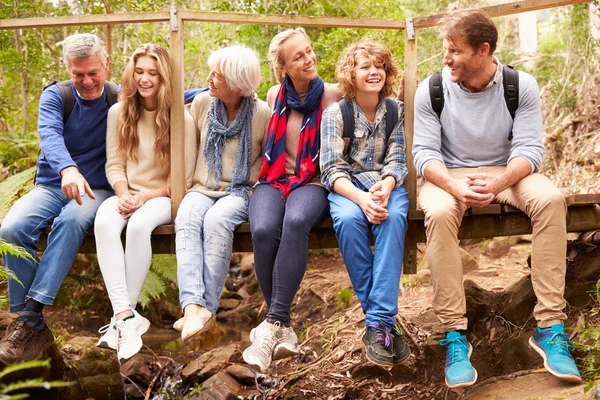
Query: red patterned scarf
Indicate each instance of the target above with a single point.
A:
(307, 159)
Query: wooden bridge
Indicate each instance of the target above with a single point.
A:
(493, 220)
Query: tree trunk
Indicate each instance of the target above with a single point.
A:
(24, 79)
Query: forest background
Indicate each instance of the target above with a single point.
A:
(565, 64)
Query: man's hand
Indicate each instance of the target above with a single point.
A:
(74, 186)
(380, 192)
(484, 183)
(375, 213)
(462, 190)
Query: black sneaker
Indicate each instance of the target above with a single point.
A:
(378, 345)
(401, 349)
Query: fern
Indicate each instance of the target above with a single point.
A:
(163, 271)
(11, 189)
(13, 250)
(7, 388)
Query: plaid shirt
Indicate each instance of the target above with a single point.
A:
(371, 157)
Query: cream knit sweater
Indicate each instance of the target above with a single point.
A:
(148, 173)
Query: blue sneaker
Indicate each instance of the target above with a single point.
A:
(459, 371)
(555, 348)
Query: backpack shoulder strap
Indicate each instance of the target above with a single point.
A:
(68, 98)
(391, 116)
(348, 121)
(111, 93)
(436, 92)
(510, 82)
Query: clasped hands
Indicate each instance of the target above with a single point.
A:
(374, 202)
(129, 203)
(477, 190)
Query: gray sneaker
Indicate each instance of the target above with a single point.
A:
(287, 343)
(260, 353)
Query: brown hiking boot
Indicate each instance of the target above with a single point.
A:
(21, 343)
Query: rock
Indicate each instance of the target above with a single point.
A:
(520, 300)
(243, 374)
(139, 369)
(480, 302)
(424, 277)
(81, 354)
(499, 247)
(532, 386)
(484, 272)
(247, 264)
(228, 304)
(370, 371)
(233, 284)
(209, 363)
(99, 387)
(133, 392)
(243, 293)
(517, 355)
(469, 263)
(221, 386)
(235, 258)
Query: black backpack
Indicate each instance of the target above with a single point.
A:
(391, 119)
(510, 82)
(69, 99)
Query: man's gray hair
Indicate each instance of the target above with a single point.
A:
(83, 45)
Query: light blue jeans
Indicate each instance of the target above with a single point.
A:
(23, 225)
(204, 238)
(375, 274)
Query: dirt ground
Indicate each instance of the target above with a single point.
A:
(329, 323)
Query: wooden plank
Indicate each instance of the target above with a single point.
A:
(487, 210)
(74, 20)
(500, 10)
(583, 199)
(410, 88)
(292, 20)
(177, 116)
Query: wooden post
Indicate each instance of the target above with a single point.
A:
(410, 87)
(109, 47)
(177, 114)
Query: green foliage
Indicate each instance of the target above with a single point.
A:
(588, 340)
(6, 388)
(343, 297)
(163, 272)
(13, 188)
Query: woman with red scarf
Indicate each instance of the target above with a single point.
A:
(290, 200)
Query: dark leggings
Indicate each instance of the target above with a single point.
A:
(280, 231)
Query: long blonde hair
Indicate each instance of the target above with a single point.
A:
(131, 108)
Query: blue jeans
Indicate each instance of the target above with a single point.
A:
(23, 225)
(375, 274)
(280, 232)
(204, 238)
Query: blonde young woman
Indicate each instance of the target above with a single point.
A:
(290, 200)
(137, 167)
(232, 126)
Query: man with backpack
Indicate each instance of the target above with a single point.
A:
(478, 139)
(70, 186)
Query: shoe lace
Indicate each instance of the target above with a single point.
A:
(560, 343)
(269, 341)
(20, 335)
(123, 332)
(383, 336)
(105, 328)
(458, 350)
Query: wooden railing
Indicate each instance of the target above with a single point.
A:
(177, 19)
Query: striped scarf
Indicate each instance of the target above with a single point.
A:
(307, 159)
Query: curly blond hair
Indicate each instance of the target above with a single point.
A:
(344, 70)
(131, 109)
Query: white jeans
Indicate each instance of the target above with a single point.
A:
(124, 271)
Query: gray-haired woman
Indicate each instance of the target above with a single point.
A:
(231, 125)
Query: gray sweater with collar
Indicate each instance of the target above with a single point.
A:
(473, 128)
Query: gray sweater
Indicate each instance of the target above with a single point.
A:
(473, 128)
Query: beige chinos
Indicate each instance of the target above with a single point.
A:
(536, 196)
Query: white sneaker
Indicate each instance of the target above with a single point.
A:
(264, 340)
(253, 330)
(287, 343)
(196, 324)
(129, 336)
(109, 338)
